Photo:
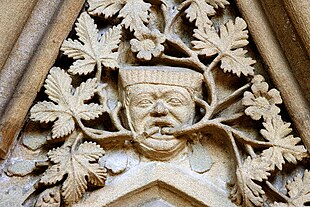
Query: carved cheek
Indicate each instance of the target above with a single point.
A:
(183, 114)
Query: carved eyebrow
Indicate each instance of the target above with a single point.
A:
(174, 91)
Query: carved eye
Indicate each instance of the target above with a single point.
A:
(145, 103)
(174, 101)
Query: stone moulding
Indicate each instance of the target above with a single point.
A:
(33, 68)
(277, 66)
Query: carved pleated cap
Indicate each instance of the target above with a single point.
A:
(164, 75)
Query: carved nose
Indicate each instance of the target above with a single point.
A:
(159, 110)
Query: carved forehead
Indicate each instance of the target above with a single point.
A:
(170, 76)
(157, 91)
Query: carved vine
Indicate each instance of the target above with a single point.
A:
(73, 165)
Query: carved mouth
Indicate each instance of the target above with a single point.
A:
(160, 124)
(160, 129)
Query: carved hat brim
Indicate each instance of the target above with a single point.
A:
(164, 75)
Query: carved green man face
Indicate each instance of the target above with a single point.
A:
(157, 101)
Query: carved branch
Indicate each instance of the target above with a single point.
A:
(102, 136)
(114, 115)
(230, 99)
(99, 71)
(280, 195)
(231, 119)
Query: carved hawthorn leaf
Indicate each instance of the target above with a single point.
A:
(86, 90)
(107, 8)
(70, 104)
(63, 126)
(60, 158)
(232, 36)
(218, 3)
(285, 145)
(237, 63)
(246, 191)
(298, 191)
(199, 10)
(58, 85)
(262, 101)
(81, 169)
(49, 198)
(112, 38)
(78, 164)
(135, 14)
(88, 49)
(46, 111)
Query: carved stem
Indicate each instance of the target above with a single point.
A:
(231, 118)
(279, 194)
(102, 136)
(99, 69)
(115, 119)
(250, 150)
(235, 148)
(232, 98)
(76, 141)
(246, 140)
(185, 62)
(214, 63)
(210, 84)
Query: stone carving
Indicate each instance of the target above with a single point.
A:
(158, 101)
(168, 101)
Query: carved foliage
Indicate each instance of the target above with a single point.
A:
(298, 191)
(133, 12)
(70, 103)
(200, 10)
(74, 165)
(78, 166)
(228, 45)
(89, 50)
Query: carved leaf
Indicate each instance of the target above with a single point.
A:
(237, 63)
(218, 3)
(70, 105)
(112, 38)
(298, 190)
(232, 36)
(86, 90)
(92, 51)
(199, 10)
(261, 102)
(285, 145)
(58, 85)
(49, 198)
(107, 8)
(78, 166)
(60, 157)
(135, 14)
(246, 191)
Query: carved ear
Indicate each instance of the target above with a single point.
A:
(200, 159)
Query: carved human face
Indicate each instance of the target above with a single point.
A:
(155, 110)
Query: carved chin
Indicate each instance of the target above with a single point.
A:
(161, 147)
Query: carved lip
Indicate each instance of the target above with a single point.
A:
(160, 133)
(160, 129)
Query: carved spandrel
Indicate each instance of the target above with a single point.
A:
(187, 109)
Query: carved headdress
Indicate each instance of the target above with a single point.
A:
(164, 75)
